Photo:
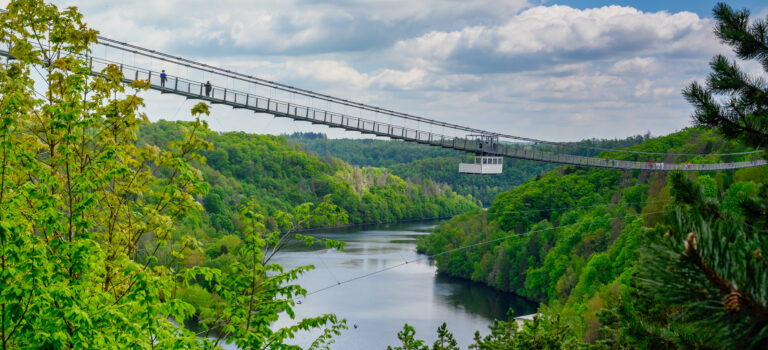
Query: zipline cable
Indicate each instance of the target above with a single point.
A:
(426, 257)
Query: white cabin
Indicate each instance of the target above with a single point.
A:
(482, 165)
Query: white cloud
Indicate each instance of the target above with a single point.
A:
(557, 34)
(551, 72)
(328, 72)
(292, 26)
(636, 65)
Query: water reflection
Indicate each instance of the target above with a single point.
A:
(478, 299)
(381, 303)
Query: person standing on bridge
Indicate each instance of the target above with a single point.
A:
(208, 88)
(163, 78)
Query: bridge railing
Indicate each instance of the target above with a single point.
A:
(239, 99)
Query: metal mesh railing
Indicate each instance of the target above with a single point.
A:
(239, 99)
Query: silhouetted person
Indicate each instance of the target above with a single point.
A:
(163, 78)
(208, 88)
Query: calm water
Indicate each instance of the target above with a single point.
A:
(380, 304)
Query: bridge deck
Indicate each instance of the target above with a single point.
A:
(259, 104)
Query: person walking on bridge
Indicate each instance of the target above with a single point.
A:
(208, 88)
(163, 78)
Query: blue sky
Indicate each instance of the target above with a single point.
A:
(555, 70)
(701, 8)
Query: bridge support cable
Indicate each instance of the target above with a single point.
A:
(315, 95)
(422, 133)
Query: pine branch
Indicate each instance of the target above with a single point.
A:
(734, 298)
(749, 42)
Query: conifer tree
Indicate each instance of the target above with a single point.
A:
(733, 102)
(703, 277)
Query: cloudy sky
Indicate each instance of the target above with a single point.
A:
(555, 70)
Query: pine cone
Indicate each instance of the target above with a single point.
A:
(691, 244)
(733, 302)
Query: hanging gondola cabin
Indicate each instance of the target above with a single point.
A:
(482, 165)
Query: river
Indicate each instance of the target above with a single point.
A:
(381, 303)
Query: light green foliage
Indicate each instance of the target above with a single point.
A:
(559, 239)
(406, 336)
(418, 163)
(708, 185)
(544, 332)
(99, 233)
(253, 292)
(445, 340)
(80, 205)
(280, 176)
(702, 280)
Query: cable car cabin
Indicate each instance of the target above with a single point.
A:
(482, 165)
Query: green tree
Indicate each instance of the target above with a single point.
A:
(213, 203)
(742, 112)
(445, 340)
(704, 270)
(408, 338)
(87, 212)
(256, 292)
(79, 201)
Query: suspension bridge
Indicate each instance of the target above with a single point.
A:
(365, 119)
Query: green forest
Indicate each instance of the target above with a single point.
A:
(115, 231)
(636, 259)
(120, 233)
(279, 176)
(571, 238)
(417, 162)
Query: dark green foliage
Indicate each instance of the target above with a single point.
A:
(702, 279)
(213, 204)
(445, 340)
(406, 336)
(743, 114)
(281, 176)
(720, 255)
(544, 332)
(419, 162)
(697, 279)
(571, 237)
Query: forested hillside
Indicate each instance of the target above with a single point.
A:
(417, 162)
(280, 176)
(570, 238)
